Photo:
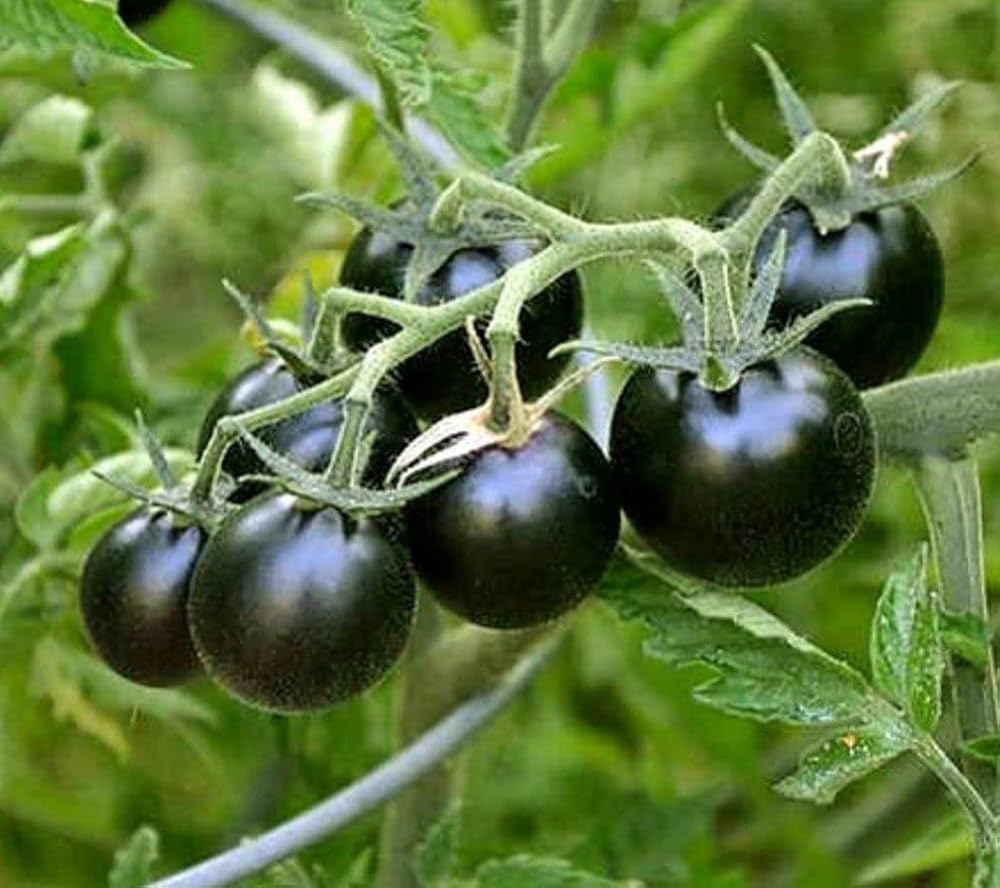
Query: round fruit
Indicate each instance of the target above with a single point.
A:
(889, 256)
(522, 535)
(751, 486)
(443, 379)
(133, 596)
(293, 607)
(309, 437)
(135, 12)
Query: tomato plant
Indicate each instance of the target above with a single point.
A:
(508, 401)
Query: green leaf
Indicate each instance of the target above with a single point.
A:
(765, 671)
(840, 760)
(538, 872)
(53, 131)
(32, 512)
(53, 286)
(906, 651)
(935, 846)
(986, 748)
(46, 25)
(133, 866)
(987, 869)
(966, 635)
(435, 857)
(397, 39)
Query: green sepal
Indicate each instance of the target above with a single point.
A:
(760, 158)
(157, 456)
(914, 116)
(872, 197)
(292, 477)
(662, 358)
(795, 113)
(757, 306)
(684, 302)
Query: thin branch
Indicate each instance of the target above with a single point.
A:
(368, 793)
(329, 62)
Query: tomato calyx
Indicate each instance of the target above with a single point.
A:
(416, 219)
(869, 166)
(720, 364)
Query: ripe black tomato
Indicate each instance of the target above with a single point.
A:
(293, 608)
(751, 486)
(522, 535)
(309, 437)
(135, 12)
(443, 379)
(889, 256)
(133, 596)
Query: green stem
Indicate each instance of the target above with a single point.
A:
(974, 805)
(949, 490)
(817, 160)
(392, 110)
(940, 413)
(540, 64)
(227, 429)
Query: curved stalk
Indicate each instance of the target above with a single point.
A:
(368, 793)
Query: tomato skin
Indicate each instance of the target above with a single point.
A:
(748, 487)
(136, 12)
(294, 608)
(133, 595)
(308, 438)
(889, 256)
(444, 379)
(522, 536)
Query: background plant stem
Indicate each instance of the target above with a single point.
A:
(949, 490)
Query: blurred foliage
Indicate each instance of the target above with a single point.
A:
(607, 762)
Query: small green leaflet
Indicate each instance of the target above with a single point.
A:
(906, 651)
(133, 866)
(966, 636)
(985, 748)
(840, 760)
(89, 25)
(538, 872)
(397, 40)
(765, 671)
(435, 857)
(55, 130)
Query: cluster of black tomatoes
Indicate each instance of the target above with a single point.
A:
(292, 605)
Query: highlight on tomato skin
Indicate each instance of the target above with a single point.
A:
(294, 608)
(524, 534)
(748, 487)
(133, 597)
(443, 378)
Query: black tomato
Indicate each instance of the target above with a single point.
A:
(751, 486)
(889, 256)
(133, 596)
(522, 535)
(309, 437)
(135, 12)
(443, 379)
(293, 608)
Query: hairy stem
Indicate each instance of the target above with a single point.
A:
(941, 413)
(949, 490)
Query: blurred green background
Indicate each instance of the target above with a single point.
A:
(605, 761)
